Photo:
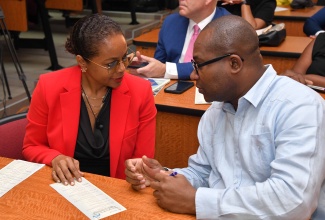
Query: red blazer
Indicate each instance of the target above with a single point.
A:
(53, 119)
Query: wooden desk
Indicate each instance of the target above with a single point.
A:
(177, 122)
(147, 43)
(15, 14)
(285, 55)
(35, 199)
(294, 19)
(73, 5)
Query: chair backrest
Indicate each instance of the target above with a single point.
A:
(12, 132)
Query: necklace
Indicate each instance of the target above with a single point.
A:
(84, 95)
(91, 105)
(93, 98)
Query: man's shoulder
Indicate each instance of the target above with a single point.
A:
(220, 11)
(175, 17)
(285, 88)
(175, 22)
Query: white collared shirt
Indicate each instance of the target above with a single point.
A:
(171, 68)
(265, 160)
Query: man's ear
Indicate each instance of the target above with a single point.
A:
(236, 63)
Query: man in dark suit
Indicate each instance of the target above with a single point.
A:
(174, 38)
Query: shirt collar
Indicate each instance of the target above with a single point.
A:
(257, 92)
(202, 23)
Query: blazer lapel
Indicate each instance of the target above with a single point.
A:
(70, 105)
(119, 111)
(180, 36)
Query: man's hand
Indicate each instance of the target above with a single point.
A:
(298, 77)
(65, 170)
(155, 68)
(174, 193)
(141, 171)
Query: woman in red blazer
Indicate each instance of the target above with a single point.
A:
(94, 116)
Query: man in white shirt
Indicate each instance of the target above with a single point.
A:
(174, 39)
(261, 153)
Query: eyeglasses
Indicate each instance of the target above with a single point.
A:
(196, 66)
(126, 60)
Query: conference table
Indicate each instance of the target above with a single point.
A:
(294, 19)
(33, 198)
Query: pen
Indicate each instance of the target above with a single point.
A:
(173, 174)
(317, 87)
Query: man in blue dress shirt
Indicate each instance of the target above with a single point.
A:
(261, 153)
(174, 38)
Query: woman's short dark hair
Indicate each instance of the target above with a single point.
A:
(88, 32)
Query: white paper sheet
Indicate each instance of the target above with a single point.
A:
(263, 30)
(199, 98)
(157, 84)
(16, 172)
(280, 9)
(89, 199)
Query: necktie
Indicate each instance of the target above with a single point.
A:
(189, 52)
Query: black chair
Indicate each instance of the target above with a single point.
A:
(12, 130)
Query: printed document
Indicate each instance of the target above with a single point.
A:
(281, 9)
(16, 172)
(157, 84)
(199, 98)
(89, 199)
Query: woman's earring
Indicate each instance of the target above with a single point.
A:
(84, 70)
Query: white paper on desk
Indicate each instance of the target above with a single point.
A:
(15, 172)
(261, 31)
(89, 199)
(157, 84)
(199, 98)
(280, 9)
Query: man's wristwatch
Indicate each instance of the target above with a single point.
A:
(244, 2)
